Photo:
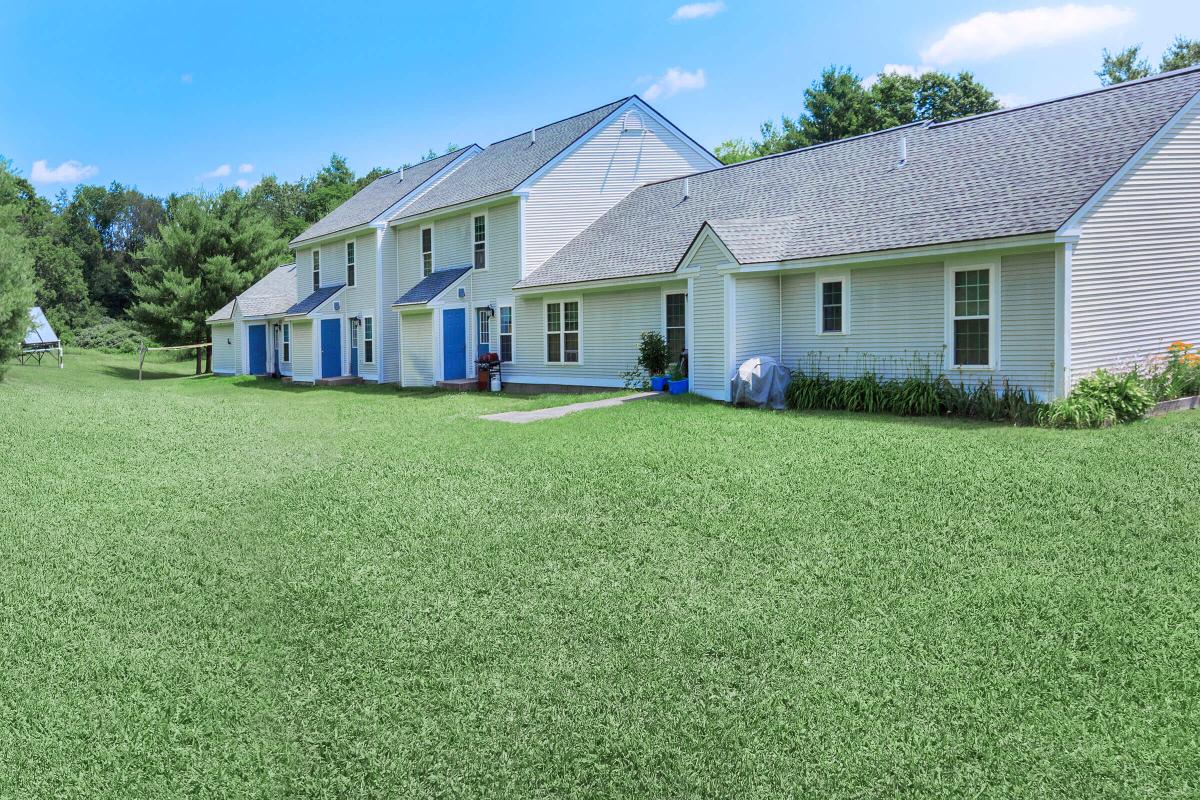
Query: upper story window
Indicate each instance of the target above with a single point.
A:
(426, 251)
(972, 317)
(479, 228)
(316, 265)
(349, 263)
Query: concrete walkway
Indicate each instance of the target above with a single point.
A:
(521, 417)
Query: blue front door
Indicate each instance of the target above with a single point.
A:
(331, 348)
(258, 349)
(454, 344)
(353, 349)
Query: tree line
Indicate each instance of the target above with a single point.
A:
(163, 265)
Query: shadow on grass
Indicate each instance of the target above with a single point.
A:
(148, 374)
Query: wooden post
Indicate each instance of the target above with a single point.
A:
(141, 358)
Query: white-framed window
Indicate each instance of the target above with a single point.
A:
(484, 319)
(316, 269)
(833, 304)
(506, 333)
(368, 340)
(426, 251)
(675, 324)
(562, 332)
(287, 342)
(350, 263)
(972, 291)
(479, 240)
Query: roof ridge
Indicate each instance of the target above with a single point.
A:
(417, 164)
(922, 123)
(1062, 98)
(560, 121)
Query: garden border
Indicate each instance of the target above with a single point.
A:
(1178, 404)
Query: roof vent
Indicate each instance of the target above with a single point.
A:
(401, 172)
(903, 151)
(631, 124)
(686, 188)
(533, 136)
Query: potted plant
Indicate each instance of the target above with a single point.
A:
(677, 379)
(653, 357)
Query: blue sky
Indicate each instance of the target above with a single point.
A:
(177, 96)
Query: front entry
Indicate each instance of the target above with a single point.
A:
(258, 349)
(454, 344)
(331, 348)
(354, 348)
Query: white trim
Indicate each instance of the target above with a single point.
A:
(730, 333)
(487, 247)
(315, 269)
(326, 237)
(690, 326)
(351, 242)
(1076, 220)
(600, 285)
(521, 236)
(439, 365)
(380, 234)
(992, 266)
(1063, 256)
(454, 209)
(706, 234)
(566, 380)
(824, 277)
(432, 249)
(562, 331)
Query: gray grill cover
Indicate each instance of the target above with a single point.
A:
(760, 382)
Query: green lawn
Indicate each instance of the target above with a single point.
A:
(217, 587)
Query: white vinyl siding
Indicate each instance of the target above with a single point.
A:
(757, 317)
(1026, 355)
(1135, 273)
(611, 325)
(361, 299)
(225, 347)
(302, 350)
(707, 359)
(593, 178)
(416, 356)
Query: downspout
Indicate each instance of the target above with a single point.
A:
(779, 299)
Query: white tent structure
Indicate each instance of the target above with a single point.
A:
(40, 339)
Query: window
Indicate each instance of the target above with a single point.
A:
(368, 340)
(485, 329)
(316, 264)
(831, 306)
(349, 263)
(676, 325)
(562, 332)
(480, 238)
(506, 333)
(287, 342)
(427, 251)
(972, 317)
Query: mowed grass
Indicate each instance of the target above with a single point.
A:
(218, 588)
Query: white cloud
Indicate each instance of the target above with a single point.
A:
(1010, 100)
(244, 168)
(897, 69)
(995, 33)
(243, 184)
(697, 11)
(674, 81)
(185, 77)
(219, 172)
(66, 172)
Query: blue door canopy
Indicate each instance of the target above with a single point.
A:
(454, 344)
(331, 348)
(258, 349)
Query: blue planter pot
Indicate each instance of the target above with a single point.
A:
(658, 383)
(678, 387)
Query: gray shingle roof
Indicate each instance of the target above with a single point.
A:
(315, 299)
(505, 164)
(376, 197)
(271, 294)
(1013, 172)
(431, 286)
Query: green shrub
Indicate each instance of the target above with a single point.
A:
(1125, 394)
(1178, 374)
(653, 355)
(110, 336)
(1076, 411)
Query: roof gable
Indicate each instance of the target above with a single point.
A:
(379, 197)
(1015, 172)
